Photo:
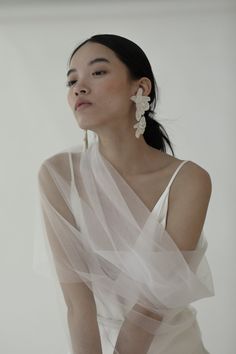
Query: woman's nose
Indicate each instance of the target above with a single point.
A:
(78, 89)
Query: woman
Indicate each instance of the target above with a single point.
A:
(124, 219)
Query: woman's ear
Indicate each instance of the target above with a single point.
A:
(146, 85)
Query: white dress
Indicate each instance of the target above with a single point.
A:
(189, 339)
(123, 253)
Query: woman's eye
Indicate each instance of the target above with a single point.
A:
(98, 72)
(70, 83)
(95, 73)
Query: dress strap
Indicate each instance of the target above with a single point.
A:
(163, 212)
(175, 173)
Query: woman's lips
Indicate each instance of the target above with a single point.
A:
(83, 106)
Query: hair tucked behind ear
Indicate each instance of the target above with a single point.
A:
(139, 66)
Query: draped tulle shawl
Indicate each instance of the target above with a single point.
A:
(96, 230)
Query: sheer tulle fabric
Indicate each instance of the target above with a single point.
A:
(96, 230)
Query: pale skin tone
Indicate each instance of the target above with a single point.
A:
(109, 87)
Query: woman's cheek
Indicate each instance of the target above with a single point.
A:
(113, 86)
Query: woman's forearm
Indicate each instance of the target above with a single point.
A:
(84, 333)
(134, 339)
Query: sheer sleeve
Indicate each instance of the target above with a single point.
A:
(67, 255)
(61, 233)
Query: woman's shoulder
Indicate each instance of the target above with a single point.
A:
(58, 165)
(192, 182)
(60, 160)
(56, 161)
(190, 168)
(191, 176)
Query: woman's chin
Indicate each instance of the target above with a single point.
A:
(85, 123)
(84, 126)
(91, 122)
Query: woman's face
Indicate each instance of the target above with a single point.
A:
(98, 76)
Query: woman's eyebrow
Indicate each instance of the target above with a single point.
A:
(93, 61)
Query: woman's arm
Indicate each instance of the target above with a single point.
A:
(188, 203)
(79, 299)
(134, 339)
(82, 319)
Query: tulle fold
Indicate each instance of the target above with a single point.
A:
(96, 230)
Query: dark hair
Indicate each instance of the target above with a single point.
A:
(139, 66)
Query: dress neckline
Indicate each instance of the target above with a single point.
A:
(132, 190)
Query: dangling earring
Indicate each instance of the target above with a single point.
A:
(142, 105)
(85, 140)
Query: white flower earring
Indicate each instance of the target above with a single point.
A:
(142, 105)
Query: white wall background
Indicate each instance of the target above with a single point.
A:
(191, 47)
